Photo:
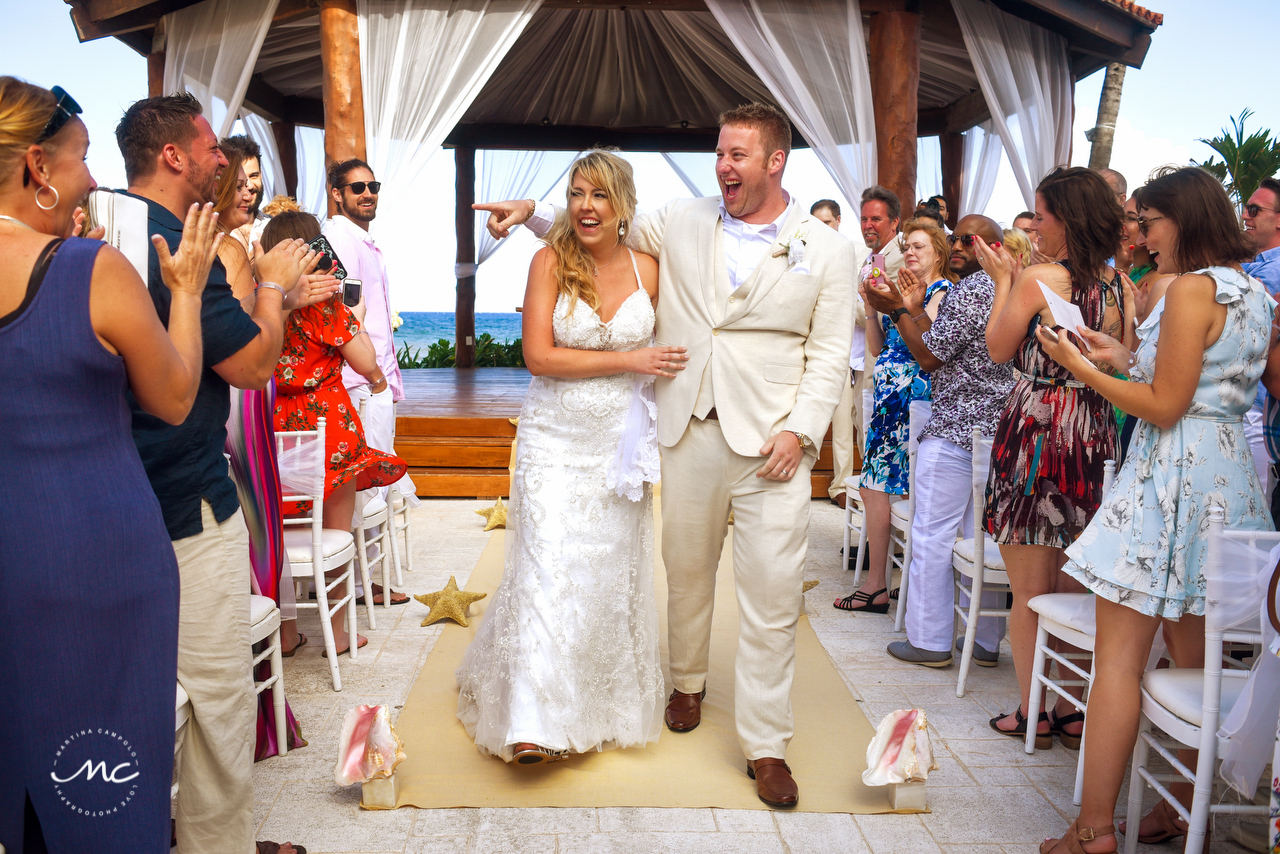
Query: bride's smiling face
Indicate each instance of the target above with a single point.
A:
(592, 215)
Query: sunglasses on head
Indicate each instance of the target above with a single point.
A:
(65, 108)
(966, 240)
(357, 187)
(1252, 210)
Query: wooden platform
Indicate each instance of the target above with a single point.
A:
(454, 429)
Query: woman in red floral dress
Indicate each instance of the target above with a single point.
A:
(318, 340)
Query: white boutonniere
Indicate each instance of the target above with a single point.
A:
(793, 248)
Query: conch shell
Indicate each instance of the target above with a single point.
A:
(900, 751)
(369, 746)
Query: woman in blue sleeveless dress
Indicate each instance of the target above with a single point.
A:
(88, 581)
(1194, 375)
(897, 381)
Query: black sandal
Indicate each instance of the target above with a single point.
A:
(847, 603)
(1044, 740)
(1070, 740)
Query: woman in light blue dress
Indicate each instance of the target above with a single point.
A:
(1193, 377)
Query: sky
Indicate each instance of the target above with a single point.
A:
(1203, 68)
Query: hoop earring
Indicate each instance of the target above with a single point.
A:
(55, 197)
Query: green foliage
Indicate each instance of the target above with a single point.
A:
(1245, 160)
(489, 354)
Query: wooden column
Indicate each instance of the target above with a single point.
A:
(464, 317)
(952, 145)
(894, 56)
(155, 74)
(343, 97)
(287, 146)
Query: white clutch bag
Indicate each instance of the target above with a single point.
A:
(125, 219)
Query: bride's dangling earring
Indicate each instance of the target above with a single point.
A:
(622, 229)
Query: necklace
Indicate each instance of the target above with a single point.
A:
(16, 221)
(597, 270)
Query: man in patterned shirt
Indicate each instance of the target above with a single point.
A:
(969, 390)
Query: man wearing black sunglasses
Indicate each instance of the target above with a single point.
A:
(1262, 226)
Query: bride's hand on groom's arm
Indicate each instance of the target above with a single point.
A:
(661, 361)
(504, 216)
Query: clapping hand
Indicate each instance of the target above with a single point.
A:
(314, 287)
(285, 263)
(187, 272)
(504, 216)
(77, 228)
(883, 298)
(912, 290)
(1105, 351)
(998, 263)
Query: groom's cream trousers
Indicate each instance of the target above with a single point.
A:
(702, 478)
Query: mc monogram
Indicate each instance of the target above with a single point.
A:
(94, 772)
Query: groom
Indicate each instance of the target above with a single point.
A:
(758, 291)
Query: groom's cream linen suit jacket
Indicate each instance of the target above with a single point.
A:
(775, 350)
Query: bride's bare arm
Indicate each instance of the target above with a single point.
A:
(544, 358)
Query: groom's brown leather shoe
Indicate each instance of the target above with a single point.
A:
(684, 711)
(774, 783)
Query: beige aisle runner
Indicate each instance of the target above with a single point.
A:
(701, 768)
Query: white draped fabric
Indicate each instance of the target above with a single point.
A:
(981, 165)
(515, 175)
(1026, 79)
(696, 170)
(928, 170)
(259, 130)
(210, 50)
(311, 196)
(812, 55)
(422, 63)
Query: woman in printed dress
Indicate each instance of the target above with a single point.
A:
(318, 340)
(896, 382)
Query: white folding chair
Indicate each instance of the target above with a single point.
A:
(400, 521)
(264, 623)
(313, 549)
(903, 513)
(1068, 617)
(376, 514)
(1187, 704)
(181, 714)
(976, 560)
(854, 513)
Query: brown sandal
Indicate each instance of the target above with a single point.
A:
(1171, 825)
(1076, 835)
(526, 753)
(274, 847)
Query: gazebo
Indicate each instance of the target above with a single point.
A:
(390, 81)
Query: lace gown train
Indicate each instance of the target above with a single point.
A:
(567, 654)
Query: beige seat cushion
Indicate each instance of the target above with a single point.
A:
(260, 607)
(990, 556)
(297, 542)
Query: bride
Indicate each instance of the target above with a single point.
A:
(566, 659)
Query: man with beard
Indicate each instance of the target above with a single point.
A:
(1262, 227)
(251, 161)
(354, 190)
(969, 391)
(172, 161)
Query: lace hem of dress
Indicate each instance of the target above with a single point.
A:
(637, 460)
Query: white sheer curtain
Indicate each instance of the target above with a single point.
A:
(259, 130)
(981, 165)
(813, 57)
(312, 196)
(1026, 78)
(210, 50)
(514, 175)
(928, 169)
(696, 169)
(422, 63)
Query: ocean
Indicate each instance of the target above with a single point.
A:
(421, 329)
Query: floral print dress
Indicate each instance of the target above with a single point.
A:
(896, 381)
(309, 387)
(1148, 543)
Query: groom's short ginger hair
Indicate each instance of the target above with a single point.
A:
(774, 127)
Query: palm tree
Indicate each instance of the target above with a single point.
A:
(1245, 160)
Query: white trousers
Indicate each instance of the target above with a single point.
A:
(1253, 424)
(846, 428)
(702, 478)
(944, 506)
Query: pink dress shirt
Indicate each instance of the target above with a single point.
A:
(363, 260)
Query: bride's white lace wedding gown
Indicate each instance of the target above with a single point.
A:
(567, 654)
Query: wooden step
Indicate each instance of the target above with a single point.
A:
(465, 452)
(453, 426)
(461, 483)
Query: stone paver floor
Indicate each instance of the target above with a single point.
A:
(988, 798)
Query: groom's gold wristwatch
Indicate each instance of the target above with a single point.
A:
(805, 441)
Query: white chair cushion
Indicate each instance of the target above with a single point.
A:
(182, 698)
(1181, 691)
(297, 543)
(853, 481)
(260, 607)
(1077, 610)
(990, 555)
(898, 509)
(375, 508)
(181, 710)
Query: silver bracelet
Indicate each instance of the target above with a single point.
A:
(271, 285)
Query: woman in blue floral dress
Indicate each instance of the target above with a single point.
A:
(897, 381)
(1193, 377)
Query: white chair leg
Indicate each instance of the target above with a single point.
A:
(353, 644)
(848, 521)
(362, 558)
(406, 509)
(1037, 688)
(1078, 794)
(326, 628)
(900, 615)
(277, 693)
(970, 629)
(1137, 786)
(388, 536)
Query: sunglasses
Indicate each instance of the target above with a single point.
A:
(65, 108)
(357, 187)
(1252, 210)
(966, 240)
(1144, 223)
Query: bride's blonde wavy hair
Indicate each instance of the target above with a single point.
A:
(574, 264)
